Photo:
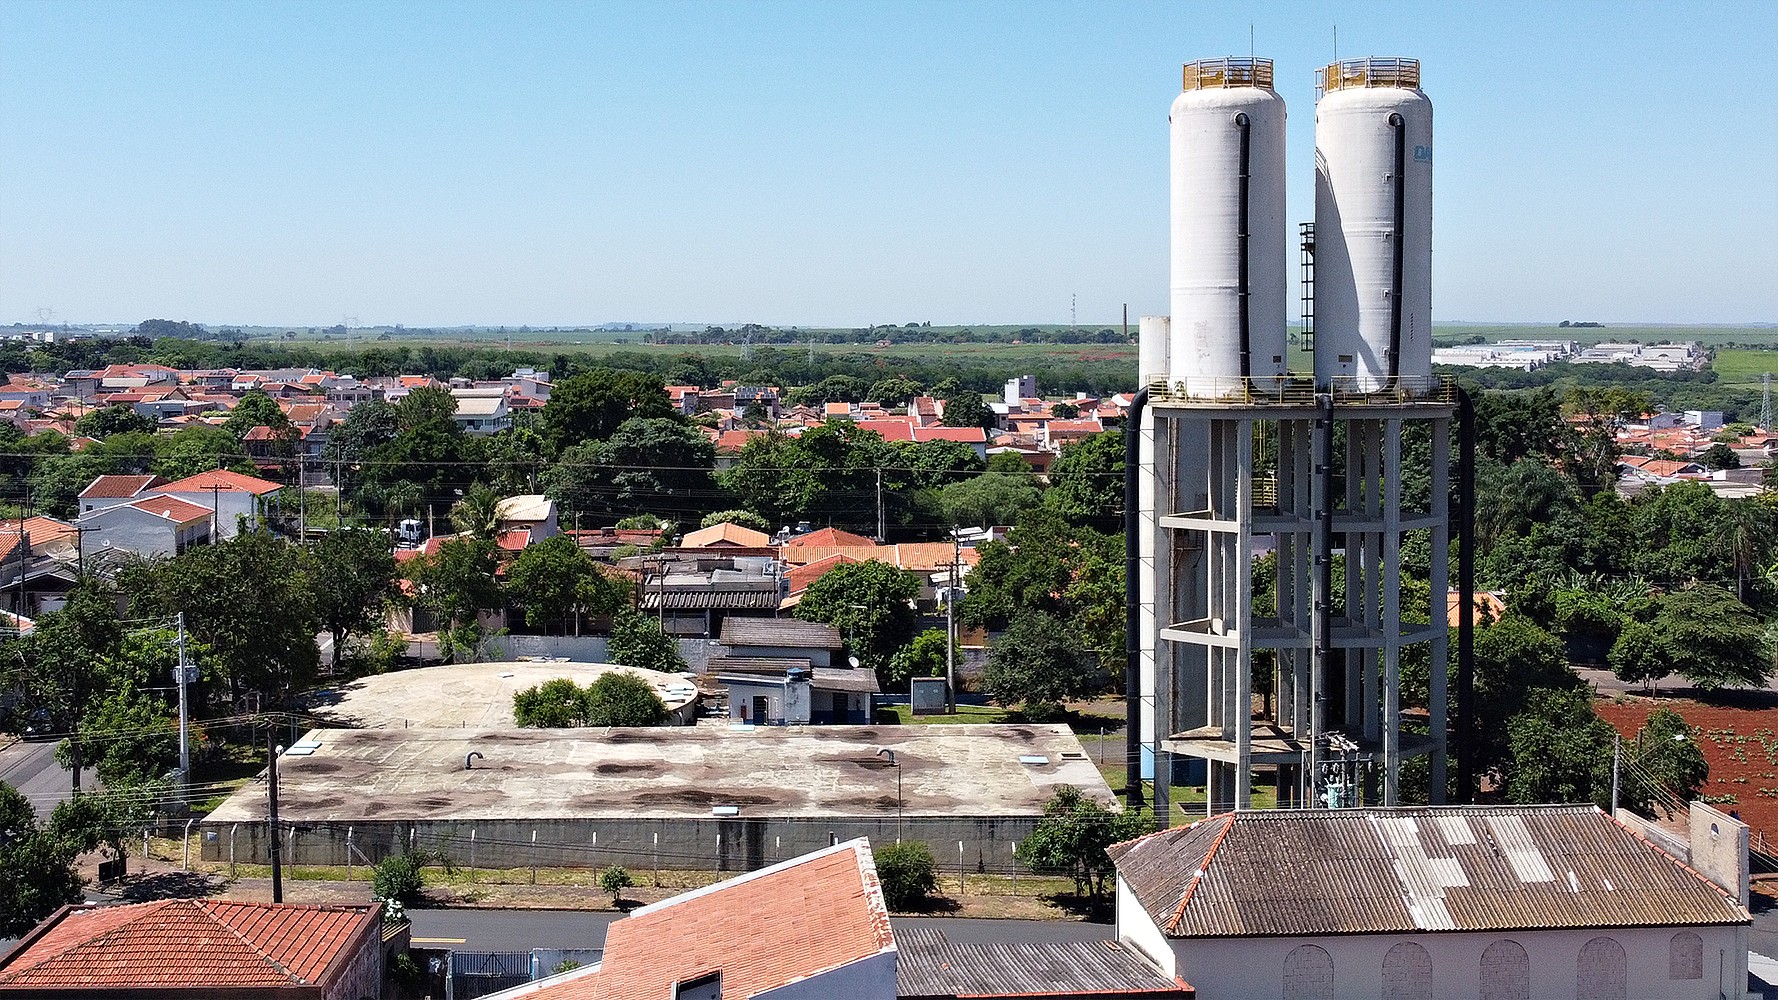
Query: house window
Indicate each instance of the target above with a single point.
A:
(702, 988)
(1601, 975)
(1308, 974)
(1685, 956)
(1506, 972)
(1407, 973)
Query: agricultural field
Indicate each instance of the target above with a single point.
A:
(1743, 365)
(1739, 741)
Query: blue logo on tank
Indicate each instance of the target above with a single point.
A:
(1422, 154)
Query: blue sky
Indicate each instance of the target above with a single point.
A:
(834, 163)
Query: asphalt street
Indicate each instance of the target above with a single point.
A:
(32, 769)
(522, 930)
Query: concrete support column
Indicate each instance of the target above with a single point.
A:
(1390, 469)
(1439, 578)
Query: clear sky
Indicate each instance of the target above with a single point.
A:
(834, 163)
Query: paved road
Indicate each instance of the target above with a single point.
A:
(32, 769)
(521, 930)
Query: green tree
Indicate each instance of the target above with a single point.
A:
(656, 464)
(1665, 769)
(1559, 751)
(871, 603)
(117, 418)
(988, 499)
(1713, 640)
(615, 880)
(967, 410)
(554, 704)
(199, 448)
(37, 863)
(456, 584)
(65, 663)
(1064, 411)
(908, 873)
(130, 739)
(637, 641)
(894, 391)
(397, 877)
(352, 578)
(1038, 662)
(256, 409)
(923, 657)
(477, 513)
(427, 406)
(1072, 837)
(744, 518)
(1637, 657)
(1513, 657)
(555, 579)
(1720, 456)
(590, 406)
(249, 601)
(617, 698)
(1087, 482)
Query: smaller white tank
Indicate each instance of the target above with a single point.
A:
(1372, 116)
(1152, 340)
(1229, 283)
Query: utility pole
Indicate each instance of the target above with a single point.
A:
(881, 534)
(271, 736)
(302, 502)
(182, 677)
(215, 511)
(951, 627)
(1617, 750)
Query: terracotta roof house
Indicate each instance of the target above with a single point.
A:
(725, 535)
(1501, 901)
(107, 491)
(831, 537)
(814, 926)
(200, 948)
(234, 497)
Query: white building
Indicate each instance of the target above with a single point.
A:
(1431, 902)
(482, 411)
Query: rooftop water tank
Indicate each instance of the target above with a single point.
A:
(1228, 273)
(1373, 225)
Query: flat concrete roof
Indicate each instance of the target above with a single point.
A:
(462, 695)
(369, 775)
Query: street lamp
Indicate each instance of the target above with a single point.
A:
(886, 752)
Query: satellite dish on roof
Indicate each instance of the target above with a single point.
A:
(852, 660)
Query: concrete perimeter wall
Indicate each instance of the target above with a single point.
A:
(737, 844)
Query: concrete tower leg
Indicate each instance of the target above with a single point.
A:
(1390, 623)
(1439, 578)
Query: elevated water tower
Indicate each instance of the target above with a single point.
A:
(1238, 456)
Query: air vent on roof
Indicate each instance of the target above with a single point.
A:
(1033, 759)
(725, 810)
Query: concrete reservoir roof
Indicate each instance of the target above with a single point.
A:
(467, 694)
(341, 775)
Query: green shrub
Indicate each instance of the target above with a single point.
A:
(615, 880)
(397, 877)
(908, 873)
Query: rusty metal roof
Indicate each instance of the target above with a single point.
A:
(1370, 871)
(779, 633)
(929, 967)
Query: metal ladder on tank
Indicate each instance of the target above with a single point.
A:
(1308, 285)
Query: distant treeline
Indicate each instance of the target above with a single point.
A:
(1683, 390)
(765, 365)
(912, 333)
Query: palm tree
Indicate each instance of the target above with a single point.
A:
(478, 513)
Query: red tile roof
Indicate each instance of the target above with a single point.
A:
(829, 537)
(761, 931)
(891, 429)
(967, 435)
(188, 944)
(222, 480)
(119, 487)
(799, 578)
(514, 540)
(727, 533)
(42, 530)
(171, 508)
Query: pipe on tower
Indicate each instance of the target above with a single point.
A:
(1133, 603)
(1243, 237)
(1399, 126)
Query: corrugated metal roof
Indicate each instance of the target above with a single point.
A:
(779, 633)
(712, 599)
(928, 967)
(1367, 871)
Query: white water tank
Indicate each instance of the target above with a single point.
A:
(1221, 220)
(1373, 225)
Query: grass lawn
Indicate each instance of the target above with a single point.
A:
(903, 715)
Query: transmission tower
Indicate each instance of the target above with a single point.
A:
(1765, 403)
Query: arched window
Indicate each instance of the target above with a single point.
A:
(1506, 971)
(1407, 973)
(1685, 956)
(1601, 975)
(1308, 974)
